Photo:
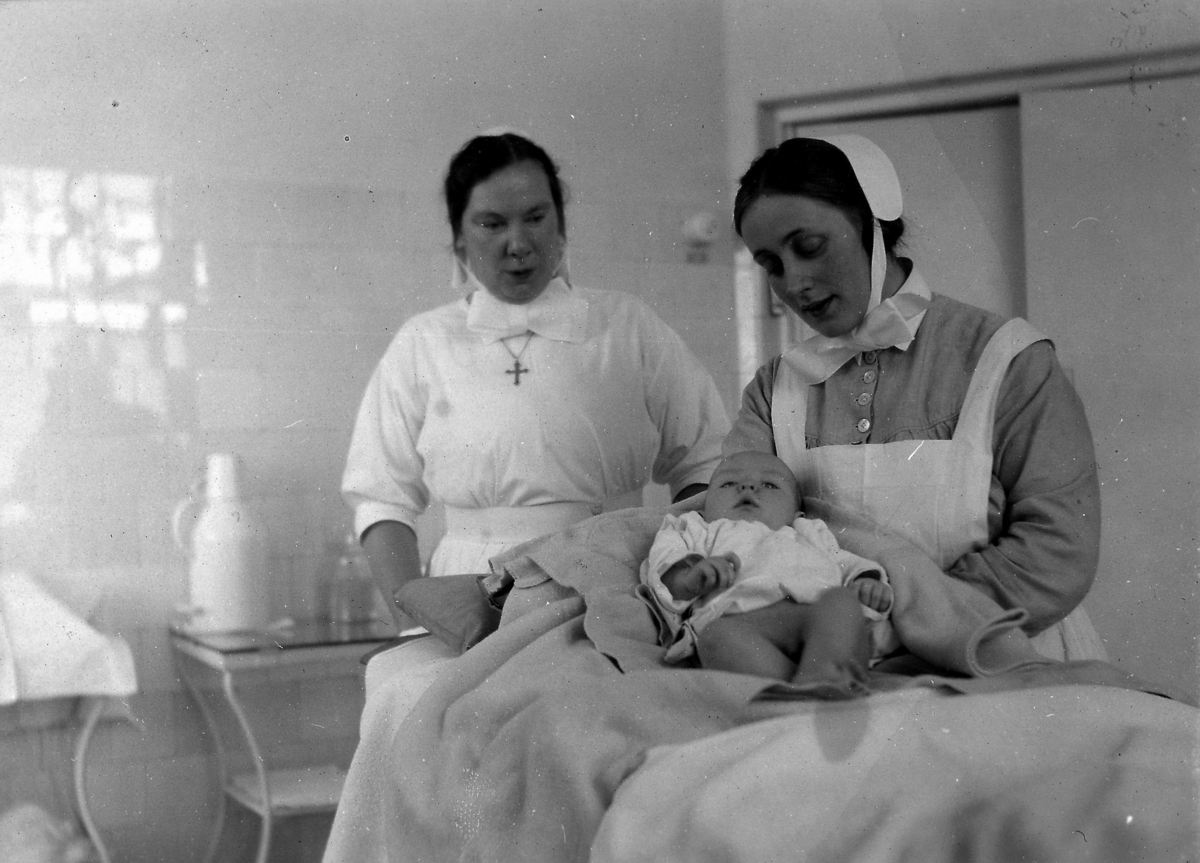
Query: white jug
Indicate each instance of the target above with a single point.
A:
(227, 552)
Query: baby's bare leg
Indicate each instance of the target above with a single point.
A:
(836, 641)
(761, 642)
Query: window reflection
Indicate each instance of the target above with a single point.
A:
(94, 369)
(76, 233)
(84, 251)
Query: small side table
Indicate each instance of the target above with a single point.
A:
(222, 662)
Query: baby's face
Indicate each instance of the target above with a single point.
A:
(753, 486)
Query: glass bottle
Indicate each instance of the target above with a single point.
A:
(350, 591)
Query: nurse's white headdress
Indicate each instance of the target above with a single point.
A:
(887, 323)
(496, 131)
(877, 177)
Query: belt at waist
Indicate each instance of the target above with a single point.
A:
(521, 523)
(516, 523)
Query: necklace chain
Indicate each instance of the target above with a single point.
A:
(516, 356)
(517, 370)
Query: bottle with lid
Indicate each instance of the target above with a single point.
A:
(226, 544)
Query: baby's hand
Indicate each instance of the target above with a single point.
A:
(873, 593)
(695, 577)
(714, 574)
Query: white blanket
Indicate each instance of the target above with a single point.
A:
(1065, 773)
(563, 737)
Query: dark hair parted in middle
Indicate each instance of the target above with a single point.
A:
(483, 156)
(815, 169)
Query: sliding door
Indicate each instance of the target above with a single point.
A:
(1112, 218)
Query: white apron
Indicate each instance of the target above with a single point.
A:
(934, 493)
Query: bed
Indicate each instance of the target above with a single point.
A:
(560, 735)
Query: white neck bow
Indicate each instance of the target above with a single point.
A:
(892, 323)
(558, 313)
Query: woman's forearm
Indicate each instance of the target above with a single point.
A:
(391, 548)
(1046, 534)
(693, 489)
(1044, 560)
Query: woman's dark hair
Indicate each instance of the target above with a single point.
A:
(815, 169)
(483, 156)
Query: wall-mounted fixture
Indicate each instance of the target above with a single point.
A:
(700, 232)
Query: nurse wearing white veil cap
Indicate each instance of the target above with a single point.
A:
(887, 323)
(940, 422)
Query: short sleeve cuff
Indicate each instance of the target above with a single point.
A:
(696, 476)
(367, 514)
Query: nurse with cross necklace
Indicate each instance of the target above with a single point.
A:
(504, 204)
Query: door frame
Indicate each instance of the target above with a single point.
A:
(964, 92)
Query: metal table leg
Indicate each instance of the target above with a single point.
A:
(264, 837)
(222, 765)
(94, 709)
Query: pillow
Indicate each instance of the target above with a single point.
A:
(456, 609)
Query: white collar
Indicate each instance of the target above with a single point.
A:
(892, 323)
(558, 313)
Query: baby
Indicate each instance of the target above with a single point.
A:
(754, 587)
